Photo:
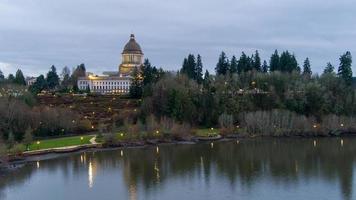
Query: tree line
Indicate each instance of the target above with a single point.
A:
(52, 81)
(247, 85)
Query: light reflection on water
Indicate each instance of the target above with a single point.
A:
(248, 169)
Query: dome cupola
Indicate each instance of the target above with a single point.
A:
(132, 47)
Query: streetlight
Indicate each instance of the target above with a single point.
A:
(38, 144)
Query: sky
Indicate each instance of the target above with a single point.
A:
(35, 34)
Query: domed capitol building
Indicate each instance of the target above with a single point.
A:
(119, 81)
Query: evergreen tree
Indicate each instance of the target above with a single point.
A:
(11, 78)
(136, 84)
(233, 65)
(329, 68)
(274, 62)
(2, 77)
(206, 79)
(65, 77)
(222, 67)
(39, 85)
(184, 69)
(199, 70)
(147, 72)
(243, 64)
(52, 78)
(307, 68)
(19, 78)
(79, 71)
(257, 61)
(288, 63)
(294, 64)
(264, 67)
(345, 71)
(189, 66)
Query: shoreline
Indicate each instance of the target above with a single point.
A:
(45, 154)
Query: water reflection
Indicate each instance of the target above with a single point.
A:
(235, 169)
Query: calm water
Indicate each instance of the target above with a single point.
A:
(273, 169)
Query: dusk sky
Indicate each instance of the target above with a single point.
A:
(34, 34)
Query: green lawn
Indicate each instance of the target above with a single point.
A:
(60, 142)
(207, 132)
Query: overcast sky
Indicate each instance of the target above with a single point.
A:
(34, 34)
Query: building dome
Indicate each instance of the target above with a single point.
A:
(132, 47)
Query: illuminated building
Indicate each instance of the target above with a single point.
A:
(115, 82)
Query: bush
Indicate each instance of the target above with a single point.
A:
(277, 123)
(110, 139)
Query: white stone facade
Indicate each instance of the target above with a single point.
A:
(105, 84)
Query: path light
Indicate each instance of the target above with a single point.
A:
(342, 142)
(81, 138)
(93, 113)
(92, 127)
(73, 121)
(212, 128)
(237, 126)
(157, 132)
(342, 125)
(135, 109)
(122, 135)
(314, 126)
(212, 145)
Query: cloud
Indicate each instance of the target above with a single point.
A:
(36, 34)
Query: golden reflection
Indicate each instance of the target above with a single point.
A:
(314, 143)
(133, 192)
(201, 162)
(38, 164)
(237, 141)
(296, 166)
(81, 159)
(342, 142)
(90, 175)
(157, 172)
(122, 153)
(212, 145)
(157, 150)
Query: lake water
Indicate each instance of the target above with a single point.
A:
(276, 169)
